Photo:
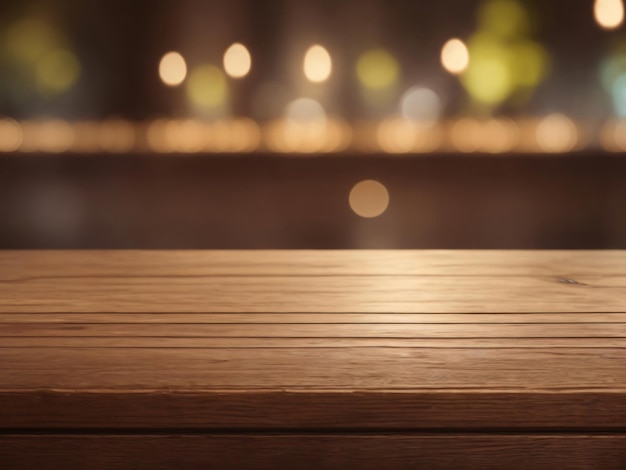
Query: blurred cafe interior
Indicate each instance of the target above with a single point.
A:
(248, 124)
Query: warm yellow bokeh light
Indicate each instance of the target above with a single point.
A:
(318, 64)
(320, 136)
(505, 65)
(369, 199)
(506, 19)
(10, 135)
(86, 136)
(116, 136)
(377, 69)
(489, 81)
(619, 135)
(185, 136)
(57, 71)
(173, 69)
(467, 135)
(237, 61)
(609, 14)
(305, 110)
(613, 136)
(500, 135)
(207, 88)
(529, 62)
(399, 136)
(155, 136)
(455, 56)
(245, 135)
(31, 38)
(55, 136)
(557, 134)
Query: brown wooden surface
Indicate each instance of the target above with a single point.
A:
(391, 342)
(326, 452)
(313, 282)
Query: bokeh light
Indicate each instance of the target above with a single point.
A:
(305, 128)
(30, 39)
(506, 19)
(500, 135)
(609, 14)
(54, 136)
(10, 135)
(173, 69)
(467, 135)
(186, 136)
(618, 92)
(421, 105)
(455, 56)
(399, 136)
(207, 88)
(305, 111)
(557, 133)
(318, 64)
(319, 136)
(506, 65)
(87, 136)
(237, 61)
(116, 136)
(155, 136)
(489, 79)
(57, 71)
(529, 62)
(369, 199)
(619, 135)
(245, 136)
(613, 136)
(377, 69)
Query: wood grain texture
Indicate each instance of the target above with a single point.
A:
(313, 282)
(312, 318)
(330, 410)
(196, 354)
(310, 294)
(427, 452)
(255, 330)
(348, 369)
(126, 342)
(16, 265)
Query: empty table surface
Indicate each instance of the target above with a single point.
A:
(520, 351)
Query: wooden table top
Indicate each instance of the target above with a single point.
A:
(313, 339)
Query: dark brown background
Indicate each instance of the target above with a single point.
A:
(260, 201)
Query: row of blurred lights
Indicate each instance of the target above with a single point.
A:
(499, 64)
(317, 64)
(552, 134)
(376, 69)
(237, 63)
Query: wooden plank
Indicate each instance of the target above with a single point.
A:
(381, 410)
(374, 294)
(20, 265)
(286, 341)
(299, 343)
(313, 318)
(375, 452)
(347, 369)
(356, 330)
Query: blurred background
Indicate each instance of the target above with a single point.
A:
(313, 124)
